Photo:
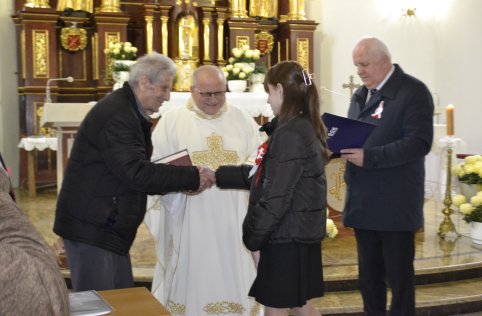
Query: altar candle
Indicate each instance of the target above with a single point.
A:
(449, 111)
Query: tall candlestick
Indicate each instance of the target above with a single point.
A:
(449, 111)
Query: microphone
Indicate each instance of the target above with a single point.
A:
(47, 87)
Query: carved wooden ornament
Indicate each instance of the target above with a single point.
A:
(73, 39)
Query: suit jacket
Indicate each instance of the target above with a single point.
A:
(29, 275)
(109, 174)
(387, 193)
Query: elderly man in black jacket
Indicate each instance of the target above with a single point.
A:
(109, 174)
(385, 178)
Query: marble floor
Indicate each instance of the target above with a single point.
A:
(448, 272)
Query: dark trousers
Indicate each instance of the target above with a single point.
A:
(94, 268)
(386, 256)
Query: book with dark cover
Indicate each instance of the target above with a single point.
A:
(180, 158)
(346, 133)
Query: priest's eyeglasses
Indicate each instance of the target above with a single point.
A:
(207, 94)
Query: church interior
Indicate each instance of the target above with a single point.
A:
(436, 41)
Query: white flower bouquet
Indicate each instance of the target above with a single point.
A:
(469, 171)
(120, 51)
(241, 64)
(472, 211)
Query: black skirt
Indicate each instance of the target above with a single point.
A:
(288, 275)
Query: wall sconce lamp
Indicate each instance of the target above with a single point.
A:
(409, 12)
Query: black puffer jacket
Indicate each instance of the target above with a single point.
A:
(288, 202)
(103, 197)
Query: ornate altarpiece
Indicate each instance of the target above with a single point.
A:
(61, 38)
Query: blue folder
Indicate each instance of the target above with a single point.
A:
(346, 133)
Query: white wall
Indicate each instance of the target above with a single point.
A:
(441, 45)
(9, 114)
(459, 71)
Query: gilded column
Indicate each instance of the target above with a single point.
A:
(95, 56)
(297, 10)
(164, 32)
(207, 44)
(220, 23)
(238, 9)
(149, 33)
(110, 6)
(287, 47)
(37, 4)
(164, 17)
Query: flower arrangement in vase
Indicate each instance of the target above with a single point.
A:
(121, 51)
(472, 213)
(240, 65)
(121, 57)
(256, 78)
(470, 208)
(470, 171)
(469, 174)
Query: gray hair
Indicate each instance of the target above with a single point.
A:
(376, 47)
(211, 69)
(154, 66)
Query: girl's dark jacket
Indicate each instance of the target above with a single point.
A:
(288, 201)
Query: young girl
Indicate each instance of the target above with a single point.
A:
(286, 218)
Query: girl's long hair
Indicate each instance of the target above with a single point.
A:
(300, 96)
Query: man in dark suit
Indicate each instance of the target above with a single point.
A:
(109, 174)
(385, 178)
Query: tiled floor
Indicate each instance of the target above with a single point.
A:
(435, 258)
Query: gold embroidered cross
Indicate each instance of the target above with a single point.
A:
(215, 156)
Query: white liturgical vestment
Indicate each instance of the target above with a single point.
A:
(203, 267)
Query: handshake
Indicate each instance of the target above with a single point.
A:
(206, 179)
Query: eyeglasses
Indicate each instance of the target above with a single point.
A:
(206, 94)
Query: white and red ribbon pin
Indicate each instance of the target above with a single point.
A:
(378, 111)
(259, 158)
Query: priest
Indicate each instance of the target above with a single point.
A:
(203, 267)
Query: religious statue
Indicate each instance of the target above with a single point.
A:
(188, 37)
(78, 5)
(263, 8)
(188, 50)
